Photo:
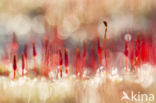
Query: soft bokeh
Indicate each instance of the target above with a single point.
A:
(74, 18)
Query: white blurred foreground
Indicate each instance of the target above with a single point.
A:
(102, 88)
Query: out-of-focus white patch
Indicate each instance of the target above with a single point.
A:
(79, 36)
(52, 74)
(101, 29)
(145, 75)
(71, 23)
(96, 81)
(43, 89)
(20, 71)
(37, 25)
(85, 73)
(101, 68)
(20, 24)
(114, 71)
(13, 83)
(63, 34)
(34, 80)
(128, 37)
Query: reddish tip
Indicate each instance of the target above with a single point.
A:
(66, 57)
(46, 43)
(84, 49)
(34, 49)
(14, 39)
(98, 46)
(105, 23)
(14, 63)
(60, 57)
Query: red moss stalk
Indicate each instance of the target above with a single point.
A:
(99, 51)
(14, 65)
(137, 51)
(46, 50)
(26, 55)
(34, 57)
(77, 62)
(23, 64)
(60, 62)
(66, 60)
(126, 53)
(84, 55)
(105, 54)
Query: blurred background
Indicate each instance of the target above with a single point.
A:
(75, 19)
(67, 23)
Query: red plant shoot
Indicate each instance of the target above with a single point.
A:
(66, 60)
(46, 55)
(34, 49)
(126, 53)
(143, 51)
(137, 50)
(99, 51)
(105, 55)
(23, 64)
(84, 55)
(26, 55)
(93, 62)
(34, 57)
(46, 44)
(60, 62)
(14, 65)
(77, 62)
(131, 52)
(127, 39)
(26, 51)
